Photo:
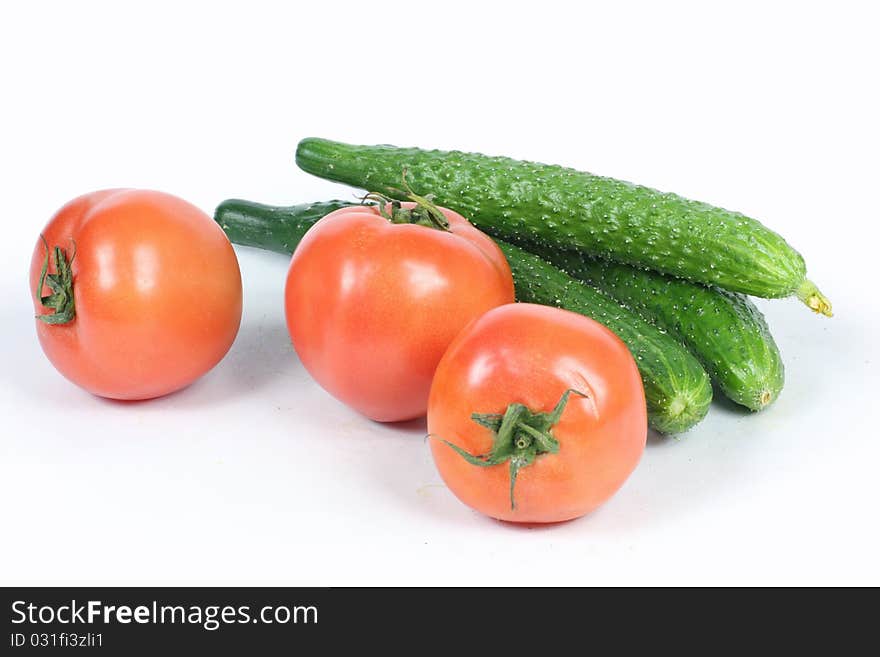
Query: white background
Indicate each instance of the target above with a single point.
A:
(254, 475)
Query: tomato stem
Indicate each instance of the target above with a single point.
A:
(426, 213)
(61, 300)
(520, 435)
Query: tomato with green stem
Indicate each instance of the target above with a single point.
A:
(376, 293)
(137, 293)
(536, 414)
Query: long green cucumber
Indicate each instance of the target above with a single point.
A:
(560, 208)
(677, 388)
(724, 330)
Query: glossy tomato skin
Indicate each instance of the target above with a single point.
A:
(531, 354)
(371, 306)
(157, 289)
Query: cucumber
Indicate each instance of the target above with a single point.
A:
(560, 208)
(677, 388)
(255, 224)
(724, 330)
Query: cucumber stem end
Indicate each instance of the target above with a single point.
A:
(815, 300)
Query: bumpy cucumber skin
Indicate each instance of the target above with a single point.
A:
(677, 388)
(724, 330)
(558, 207)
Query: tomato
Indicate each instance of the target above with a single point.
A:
(517, 460)
(373, 299)
(156, 293)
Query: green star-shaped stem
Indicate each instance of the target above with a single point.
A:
(519, 437)
(426, 212)
(61, 299)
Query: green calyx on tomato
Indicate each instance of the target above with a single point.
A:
(61, 300)
(519, 437)
(425, 213)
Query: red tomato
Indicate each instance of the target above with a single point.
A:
(156, 293)
(517, 362)
(372, 305)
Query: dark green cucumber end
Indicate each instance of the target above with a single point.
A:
(311, 151)
(235, 210)
(271, 227)
(757, 398)
(682, 410)
(334, 160)
(247, 223)
(353, 165)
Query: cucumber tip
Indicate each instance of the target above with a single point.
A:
(814, 299)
